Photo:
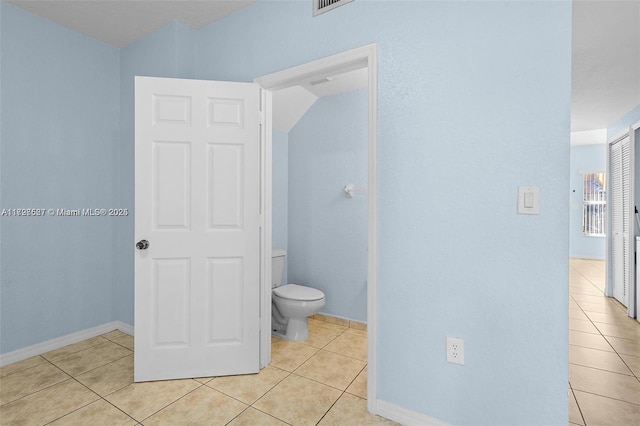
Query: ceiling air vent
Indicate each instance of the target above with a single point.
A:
(322, 6)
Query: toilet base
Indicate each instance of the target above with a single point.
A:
(279, 334)
(297, 329)
(289, 317)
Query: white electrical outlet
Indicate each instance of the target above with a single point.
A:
(455, 350)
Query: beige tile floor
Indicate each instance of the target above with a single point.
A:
(320, 381)
(604, 352)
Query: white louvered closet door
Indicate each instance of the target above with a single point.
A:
(619, 158)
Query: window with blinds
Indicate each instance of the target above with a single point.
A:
(594, 204)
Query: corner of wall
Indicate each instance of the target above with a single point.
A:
(624, 122)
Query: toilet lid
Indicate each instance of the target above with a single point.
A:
(298, 292)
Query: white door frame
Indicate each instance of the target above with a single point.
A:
(361, 57)
(634, 285)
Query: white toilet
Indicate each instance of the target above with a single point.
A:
(291, 304)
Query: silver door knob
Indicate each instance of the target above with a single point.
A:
(142, 245)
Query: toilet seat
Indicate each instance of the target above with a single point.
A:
(298, 292)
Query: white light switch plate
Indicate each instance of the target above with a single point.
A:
(529, 200)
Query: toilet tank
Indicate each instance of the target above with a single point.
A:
(277, 266)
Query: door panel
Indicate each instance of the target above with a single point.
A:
(224, 296)
(197, 203)
(172, 185)
(170, 289)
(225, 183)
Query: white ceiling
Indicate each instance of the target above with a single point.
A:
(119, 22)
(606, 42)
(605, 62)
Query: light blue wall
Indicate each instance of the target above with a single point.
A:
(168, 52)
(474, 100)
(59, 126)
(585, 158)
(328, 230)
(280, 198)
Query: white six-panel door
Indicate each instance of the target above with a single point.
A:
(197, 202)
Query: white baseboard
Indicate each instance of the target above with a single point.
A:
(125, 328)
(59, 342)
(404, 416)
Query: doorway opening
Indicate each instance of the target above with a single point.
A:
(364, 58)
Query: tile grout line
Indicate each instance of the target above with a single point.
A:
(329, 409)
(173, 402)
(72, 377)
(605, 396)
(289, 373)
(25, 368)
(585, 277)
(584, 422)
(325, 384)
(90, 390)
(119, 409)
(263, 412)
(615, 350)
(99, 397)
(599, 333)
(83, 406)
(625, 363)
(343, 391)
(69, 376)
(259, 398)
(603, 370)
(608, 342)
(605, 338)
(597, 394)
(631, 372)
